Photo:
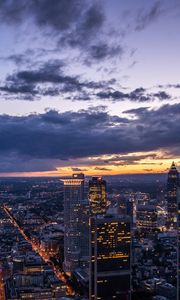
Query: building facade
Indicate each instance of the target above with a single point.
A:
(146, 217)
(73, 235)
(97, 195)
(172, 187)
(110, 263)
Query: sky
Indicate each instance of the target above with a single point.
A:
(89, 86)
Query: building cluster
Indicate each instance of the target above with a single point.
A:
(97, 241)
(155, 243)
(72, 239)
(23, 273)
(133, 240)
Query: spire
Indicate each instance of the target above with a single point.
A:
(173, 167)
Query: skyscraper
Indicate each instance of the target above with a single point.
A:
(110, 258)
(97, 195)
(178, 256)
(172, 186)
(146, 217)
(73, 235)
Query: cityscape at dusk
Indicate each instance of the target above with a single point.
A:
(89, 85)
(89, 150)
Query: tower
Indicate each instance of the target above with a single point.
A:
(172, 187)
(97, 196)
(73, 201)
(178, 242)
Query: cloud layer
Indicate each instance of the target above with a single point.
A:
(50, 79)
(85, 50)
(77, 24)
(59, 136)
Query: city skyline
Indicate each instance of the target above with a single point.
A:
(89, 86)
(57, 242)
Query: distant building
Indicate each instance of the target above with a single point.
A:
(84, 232)
(130, 209)
(110, 258)
(178, 264)
(97, 195)
(18, 264)
(172, 186)
(75, 210)
(167, 290)
(146, 217)
(50, 246)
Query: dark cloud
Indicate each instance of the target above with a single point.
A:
(60, 16)
(50, 80)
(162, 95)
(124, 160)
(103, 50)
(12, 162)
(146, 17)
(102, 169)
(159, 164)
(87, 26)
(43, 75)
(136, 111)
(148, 170)
(53, 136)
(170, 110)
(75, 169)
(18, 59)
(70, 23)
(19, 89)
(116, 95)
(138, 95)
(170, 85)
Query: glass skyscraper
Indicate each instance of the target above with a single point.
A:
(73, 221)
(97, 196)
(172, 206)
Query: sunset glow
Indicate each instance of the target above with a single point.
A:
(96, 92)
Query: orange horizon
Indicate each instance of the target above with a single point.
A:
(104, 170)
(108, 165)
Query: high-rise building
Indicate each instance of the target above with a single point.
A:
(146, 217)
(130, 209)
(172, 186)
(173, 206)
(97, 195)
(178, 256)
(73, 216)
(84, 234)
(110, 250)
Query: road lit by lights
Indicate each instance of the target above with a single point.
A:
(44, 255)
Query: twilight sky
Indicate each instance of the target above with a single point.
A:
(89, 85)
